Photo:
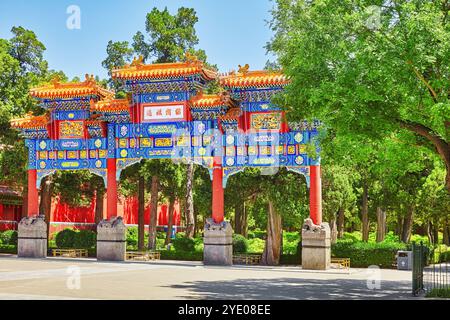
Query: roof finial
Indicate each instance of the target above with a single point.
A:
(137, 61)
(244, 69)
(56, 80)
(191, 58)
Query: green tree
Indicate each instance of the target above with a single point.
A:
(118, 54)
(365, 73)
(171, 36)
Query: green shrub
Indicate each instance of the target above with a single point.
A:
(182, 255)
(180, 235)
(291, 237)
(255, 245)
(183, 244)
(439, 293)
(250, 235)
(364, 254)
(8, 237)
(132, 236)
(260, 234)
(65, 238)
(8, 249)
(160, 235)
(240, 244)
(85, 239)
(444, 256)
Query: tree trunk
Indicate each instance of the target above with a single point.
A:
(334, 232)
(244, 221)
(381, 224)
(170, 221)
(407, 225)
(190, 219)
(435, 230)
(25, 202)
(99, 195)
(45, 205)
(272, 249)
(240, 217)
(365, 213)
(153, 214)
(430, 233)
(341, 223)
(141, 213)
(399, 228)
(446, 233)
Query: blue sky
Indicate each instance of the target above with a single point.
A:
(231, 31)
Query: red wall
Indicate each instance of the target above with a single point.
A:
(9, 216)
(63, 216)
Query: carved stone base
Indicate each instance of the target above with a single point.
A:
(218, 244)
(111, 240)
(32, 238)
(316, 246)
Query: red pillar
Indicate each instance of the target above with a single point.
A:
(315, 195)
(33, 196)
(218, 207)
(111, 191)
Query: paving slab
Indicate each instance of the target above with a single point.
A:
(63, 278)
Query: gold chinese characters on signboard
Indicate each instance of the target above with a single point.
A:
(266, 121)
(71, 130)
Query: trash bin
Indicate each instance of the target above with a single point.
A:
(404, 260)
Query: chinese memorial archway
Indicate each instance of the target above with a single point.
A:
(166, 115)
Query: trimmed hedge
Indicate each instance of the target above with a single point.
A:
(85, 239)
(65, 238)
(132, 236)
(69, 238)
(240, 244)
(8, 249)
(182, 255)
(8, 237)
(363, 255)
(183, 244)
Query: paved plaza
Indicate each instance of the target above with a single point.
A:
(59, 278)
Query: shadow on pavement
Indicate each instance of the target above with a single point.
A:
(292, 288)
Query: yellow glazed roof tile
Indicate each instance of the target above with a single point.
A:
(31, 122)
(246, 78)
(72, 89)
(138, 70)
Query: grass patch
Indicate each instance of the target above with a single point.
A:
(439, 293)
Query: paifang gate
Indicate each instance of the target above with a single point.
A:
(166, 114)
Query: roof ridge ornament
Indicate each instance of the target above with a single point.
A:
(56, 81)
(138, 61)
(244, 69)
(191, 58)
(89, 79)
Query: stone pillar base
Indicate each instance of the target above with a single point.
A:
(218, 243)
(316, 246)
(32, 238)
(111, 240)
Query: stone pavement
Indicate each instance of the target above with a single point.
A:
(57, 278)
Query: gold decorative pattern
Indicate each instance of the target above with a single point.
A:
(71, 129)
(266, 121)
